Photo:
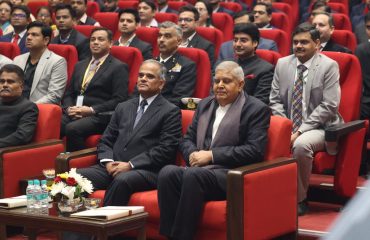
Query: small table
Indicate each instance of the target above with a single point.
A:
(55, 222)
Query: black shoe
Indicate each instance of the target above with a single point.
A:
(302, 208)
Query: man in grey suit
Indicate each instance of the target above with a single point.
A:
(45, 72)
(140, 139)
(305, 88)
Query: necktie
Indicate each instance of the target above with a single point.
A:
(15, 39)
(297, 98)
(140, 113)
(89, 75)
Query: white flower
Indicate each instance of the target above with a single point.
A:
(86, 185)
(69, 192)
(57, 188)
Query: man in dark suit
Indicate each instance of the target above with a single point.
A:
(18, 116)
(358, 12)
(19, 19)
(229, 130)
(140, 139)
(188, 19)
(164, 8)
(80, 6)
(227, 50)
(96, 87)
(181, 71)
(263, 15)
(257, 72)
(324, 23)
(65, 18)
(128, 21)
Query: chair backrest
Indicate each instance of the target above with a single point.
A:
(176, 5)
(281, 21)
(149, 35)
(33, 6)
(69, 52)
(268, 55)
(85, 29)
(224, 22)
(295, 7)
(345, 38)
(350, 84)
(233, 6)
(162, 17)
(133, 58)
(213, 35)
(287, 9)
(342, 22)
(48, 122)
(278, 143)
(128, 4)
(280, 37)
(92, 8)
(108, 20)
(203, 81)
(187, 118)
(9, 50)
(338, 7)
(344, 2)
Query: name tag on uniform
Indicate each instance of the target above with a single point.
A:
(80, 101)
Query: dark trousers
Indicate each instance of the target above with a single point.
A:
(119, 188)
(77, 131)
(182, 193)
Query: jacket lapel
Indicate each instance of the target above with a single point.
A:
(292, 68)
(310, 77)
(193, 41)
(41, 65)
(100, 71)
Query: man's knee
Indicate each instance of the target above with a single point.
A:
(302, 150)
(168, 172)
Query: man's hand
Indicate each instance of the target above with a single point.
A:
(110, 166)
(121, 167)
(294, 137)
(71, 111)
(201, 158)
(83, 111)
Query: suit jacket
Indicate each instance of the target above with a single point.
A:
(145, 48)
(254, 123)
(170, 10)
(357, 14)
(198, 42)
(152, 143)
(50, 77)
(180, 78)
(79, 41)
(333, 47)
(22, 43)
(89, 21)
(227, 51)
(363, 54)
(107, 88)
(361, 34)
(322, 92)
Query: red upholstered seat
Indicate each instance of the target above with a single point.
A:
(345, 38)
(338, 7)
(281, 21)
(269, 56)
(85, 29)
(128, 4)
(344, 2)
(108, 20)
(92, 8)
(233, 6)
(33, 6)
(29, 160)
(149, 35)
(224, 22)
(280, 37)
(176, 5)
(213, 35)
(162, 17)
(250, 190)
(288, 10)
(341, 21)
(203, 81)
(295, 8)
(69, 52)
(9, 50)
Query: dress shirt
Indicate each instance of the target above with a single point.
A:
(188, 40)
(21, 34)
(220, 114)
(127, 43)
(84, 18)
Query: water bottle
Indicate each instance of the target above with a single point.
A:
(44, 198)
(29, 194)
(37, 196)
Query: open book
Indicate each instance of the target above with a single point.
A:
(109, 212)
(13, 202)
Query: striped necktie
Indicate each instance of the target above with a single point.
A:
(140, 113)
(297, 98)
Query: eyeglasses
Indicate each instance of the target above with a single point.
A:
(4, 10)
(185, 19)
(259, 12)
(18, 15)
(201, 9)
(367, 27)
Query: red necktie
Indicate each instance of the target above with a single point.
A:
(15, 39)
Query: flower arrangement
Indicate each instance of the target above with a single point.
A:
(71, 185)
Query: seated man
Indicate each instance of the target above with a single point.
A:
(147, 10)
(128, 21)
(229, 130)
(65, 18)
(45, 72)
(305, 89)
(141, 138)
(97, 86)
(164, 8)
(263, 15)
(80, 7)
(18, 116)
(110, 6)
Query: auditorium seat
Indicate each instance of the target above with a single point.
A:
(149, 35)
(268, 55)
(176, 5)
(338, 7)
(162, 17)
(281, 21)
(280, 37)
(69, 52)
(213, 35)
(287, 9)
(29, 160)
(249, 212)
(34, 5)
(108, 20)
(92, 8)
(128, 4)
(345, 38)
(85, 29)
(341, 22)
(233, 6)
(225, 23)
(9, 50)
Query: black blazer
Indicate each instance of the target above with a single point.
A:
(22, 43)
(198, 42)
(107, 88)
(79, 41)
(154, 141)
(363, 54)
(145, 48)
(333, 47)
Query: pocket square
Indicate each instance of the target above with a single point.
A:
(250, 76)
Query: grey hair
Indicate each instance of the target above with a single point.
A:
(162, 69)
(232, 67)
(168, 24)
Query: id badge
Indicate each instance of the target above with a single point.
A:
(80, 101)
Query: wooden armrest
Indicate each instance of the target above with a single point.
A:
(333, 134)
(62, 161)
(29, 146)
